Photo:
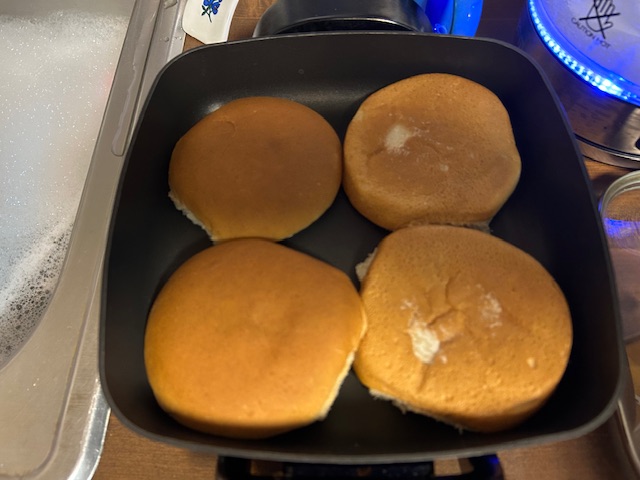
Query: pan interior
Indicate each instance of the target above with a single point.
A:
(551, 215)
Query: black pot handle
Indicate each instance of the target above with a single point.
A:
(485, 467)
(305, 16)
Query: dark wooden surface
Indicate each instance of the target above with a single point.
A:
(597, 455)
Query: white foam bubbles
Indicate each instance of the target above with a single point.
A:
(55, 80)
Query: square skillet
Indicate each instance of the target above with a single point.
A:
(552, 215)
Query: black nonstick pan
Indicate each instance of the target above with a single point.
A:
(552, 215)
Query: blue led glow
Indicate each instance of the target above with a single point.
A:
(621, 229)
(602, 79)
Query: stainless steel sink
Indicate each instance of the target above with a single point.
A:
(53, 416)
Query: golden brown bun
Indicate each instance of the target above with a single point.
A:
(249, 339)
(256, 167)
(433, 148)
(462, 327)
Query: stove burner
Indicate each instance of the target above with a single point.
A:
(589, 70)
(229, 468)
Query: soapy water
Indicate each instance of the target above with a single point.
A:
(55, 79)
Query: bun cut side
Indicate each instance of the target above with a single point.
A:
(430, 149)
(463, 327)
(257, 167)
(249, 339)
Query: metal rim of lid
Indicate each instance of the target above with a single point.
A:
(629, 181)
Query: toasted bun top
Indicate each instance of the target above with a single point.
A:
(433, 148)
(250, 338)
(256, 167)
(463, 327)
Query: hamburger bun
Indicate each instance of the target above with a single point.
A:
(462, 327)
(249, 339)
(430, 149)
(256, 167)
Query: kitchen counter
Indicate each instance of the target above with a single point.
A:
(597, 455)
